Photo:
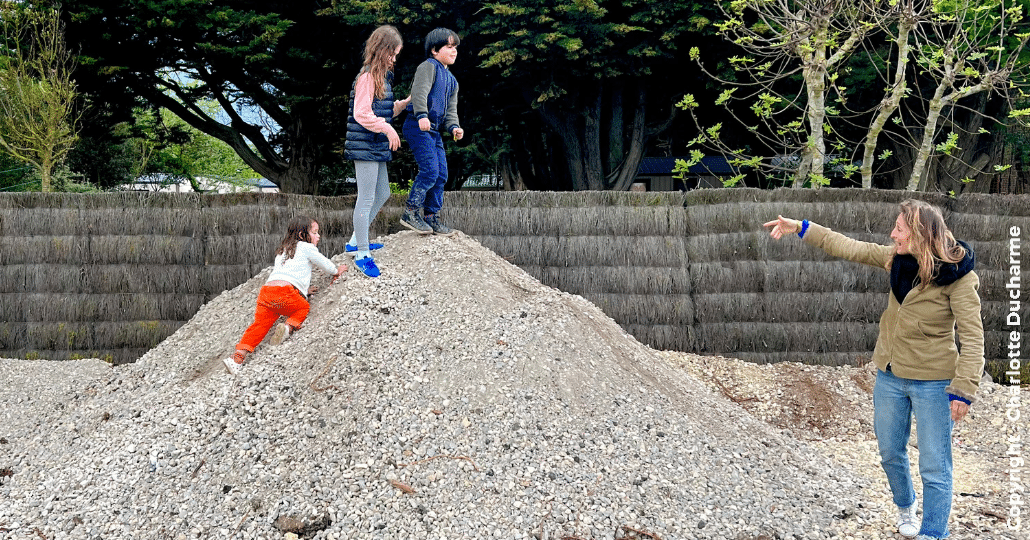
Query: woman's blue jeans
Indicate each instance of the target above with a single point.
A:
(894, 401)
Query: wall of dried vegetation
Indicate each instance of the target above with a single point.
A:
(111, 275)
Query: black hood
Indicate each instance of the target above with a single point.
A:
(905, 268)
(950, 273)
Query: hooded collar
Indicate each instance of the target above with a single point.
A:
(905, 269)
(950, 273)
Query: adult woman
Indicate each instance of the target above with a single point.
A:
(919, 368)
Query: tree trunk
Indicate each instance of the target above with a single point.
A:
(510, 175)
(563, 123)
(591, 141)
(622, 176)
(45, 179)
(615, 130)
(919, 166)
(301, 173)
(891, 101)
(814, 73)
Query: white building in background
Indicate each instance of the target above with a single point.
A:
(167, 184)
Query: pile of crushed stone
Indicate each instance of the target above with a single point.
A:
(453, 397)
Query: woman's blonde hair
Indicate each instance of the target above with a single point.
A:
(379, 52)
(931, 241)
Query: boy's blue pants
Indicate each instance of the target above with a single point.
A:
(427, 189)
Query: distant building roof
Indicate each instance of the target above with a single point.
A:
(263, 183)
(791, 161)
(168, 182)
(663, 166)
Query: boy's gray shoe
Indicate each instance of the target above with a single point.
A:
(438, 228)
(412, 219)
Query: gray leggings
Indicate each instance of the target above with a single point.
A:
(373, 191)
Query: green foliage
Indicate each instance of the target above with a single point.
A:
(949, 145)
(177, 149)
(562, 42)
(290, 61)
(688, 102)
(799, 89)
(733, 181)
(819, 180)
(15, 175)
(37, 92)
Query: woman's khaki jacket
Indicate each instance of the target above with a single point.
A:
(917, 336)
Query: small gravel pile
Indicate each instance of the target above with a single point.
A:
(453, 397)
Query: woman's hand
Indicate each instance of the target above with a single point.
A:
(958, 410)
(781, 226)
(458, 133)
(424, 124)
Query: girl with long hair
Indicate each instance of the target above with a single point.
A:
(371, 139)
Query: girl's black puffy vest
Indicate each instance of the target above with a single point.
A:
(362, 144)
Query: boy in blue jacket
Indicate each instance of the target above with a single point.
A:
(433, 108)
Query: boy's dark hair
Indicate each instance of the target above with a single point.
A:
(296, 230)
(438, 38)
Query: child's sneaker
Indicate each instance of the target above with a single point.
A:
(908, 523)
(231, 365)
(412, 219)
(281, 332)
(367, 266)
(372, 246)
(438, 228)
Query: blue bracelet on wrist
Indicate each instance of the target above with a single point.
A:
(804, 229)
(953, 397)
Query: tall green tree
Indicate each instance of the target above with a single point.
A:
(277, 70)
(171, 147)
(562, 94)
(934, 62)
(37, 92)
(596, 74)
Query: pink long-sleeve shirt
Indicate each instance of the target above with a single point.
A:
(364, 91)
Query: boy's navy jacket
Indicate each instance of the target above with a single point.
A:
(439, 98)
(365, 145)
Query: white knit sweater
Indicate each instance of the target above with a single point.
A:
(297, 270)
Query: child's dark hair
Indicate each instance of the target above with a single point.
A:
(438, 38)
(296, 231)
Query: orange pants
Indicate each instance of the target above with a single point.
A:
(273, 302)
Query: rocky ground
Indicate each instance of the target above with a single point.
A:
(455, 397)
(832, 408)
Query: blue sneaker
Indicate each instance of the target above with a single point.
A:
(367, 266)
(372, 246)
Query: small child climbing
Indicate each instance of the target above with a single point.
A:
(285, 292)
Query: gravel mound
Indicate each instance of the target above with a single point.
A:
(453, 397)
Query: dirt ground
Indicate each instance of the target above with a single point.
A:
(832, 408)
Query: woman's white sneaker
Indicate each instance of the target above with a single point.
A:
(908, 523)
